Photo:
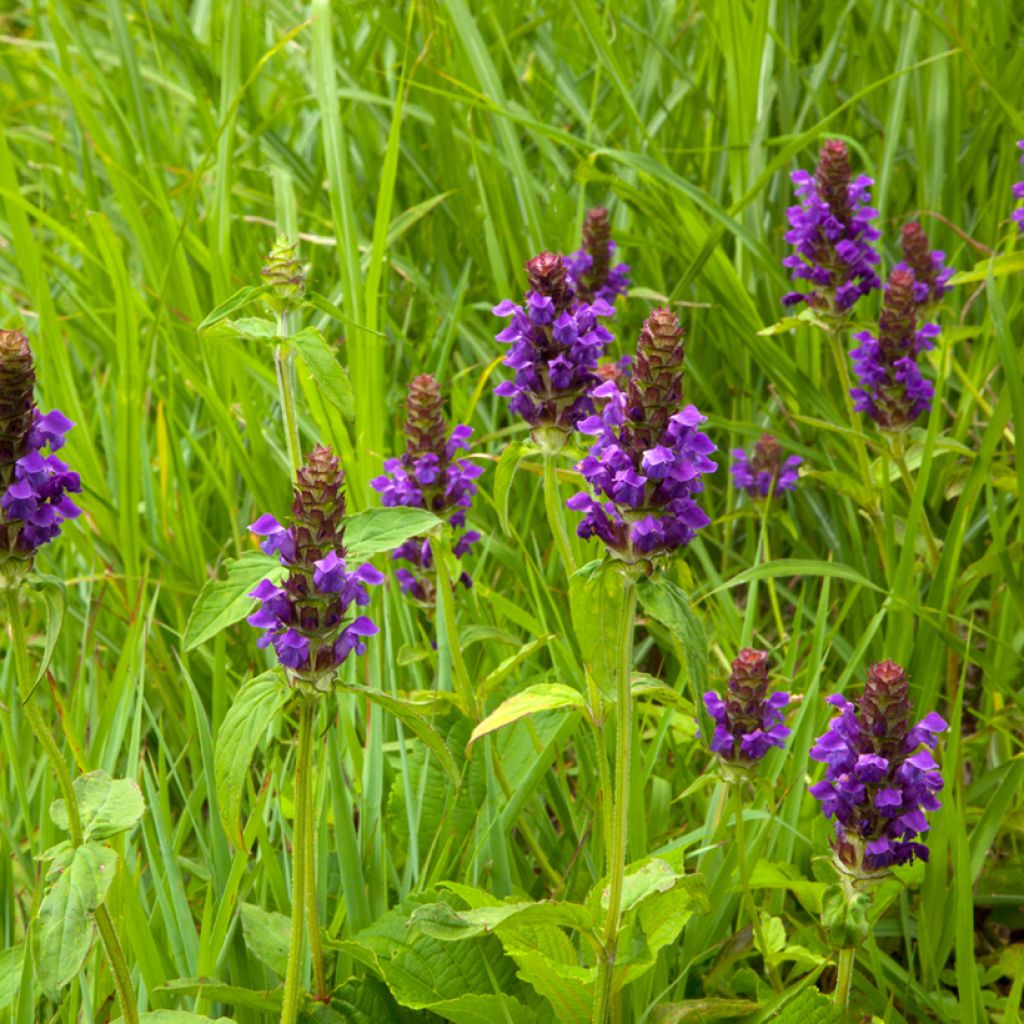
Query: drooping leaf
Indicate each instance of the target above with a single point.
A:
(254, 708)
(597, 596)
(54, 594)
(532, 701)
(382, 529)
(267, 936)
(106, 806)
(80, 878)
(325, 369)
(504, 474)
(222, 602)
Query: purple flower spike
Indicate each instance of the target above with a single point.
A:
(427, 475)
(748, 721)
(646, 462)
(764, 472)
(555, 343)
(931, 275)
(890, 387)
(877, 783)
(34, 486)
(591, 275)
(306, 618)
(832, 235)
(1018, 194)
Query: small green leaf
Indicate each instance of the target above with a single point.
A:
(328, 373)
(444, 922)
(504, 474)
(597, 597)
(241, 298)
(106, 806)
(221, 603)
(382, 529)
(267, 936)
(220, 992)
(64, 929)
(997, 266)
(249, 328)
(254, 708)
(504, 667)
(664, 601)
(54, 595)
(532, 701)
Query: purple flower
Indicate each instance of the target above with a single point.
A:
(832, 235)
(931, 275)
(1018, 194)
(591, 275)
(890, 387)
(427, 475)
(555, 343)
(748, 722)
(34, 483)
(646, 462)
(877, 782)
(765, 471)
(306, 618)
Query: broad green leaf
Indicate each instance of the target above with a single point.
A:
(267, 936)
(532, 701)
(697, 1011)
(234, 302)
(444, 922)
(767, 875)
(80, 879)
(328, 373)
(664, 601)
(810, 1007)
(361, 1000)
(655, 876)
(217, 991)
(255, 707)
(504, 474)
(382, 529)
(106, 806)
(598, 597)
(12, 961)
(411, 715)
(179, 1017)
(221, 603)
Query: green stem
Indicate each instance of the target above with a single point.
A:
(316, 949)
(556, 513)
(748, 896)
(603, 1003)
(284, 366)
(446, 604)
(108, 935)
(300, 837)
(844, 978)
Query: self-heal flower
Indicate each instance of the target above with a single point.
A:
(749, 720)
(891, 389)
(877, 783)
(590, 271)
(555, 343)
(34, 483)
(1018, 194)
(832, 235)
(931, 275)
(307, 618)
(646, 462)
(428, 475)
(765, 471)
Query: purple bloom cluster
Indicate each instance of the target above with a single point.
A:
(931, 274)
(832, 235)
(555, 342)
(748, 721)
(877, 783)
(589, 269)
(34, 483)
(1018, 193)
(648, 457)
(891, 389)
(765, 471)
(306, 617)
(427, 475)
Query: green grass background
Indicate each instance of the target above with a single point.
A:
(149, 154)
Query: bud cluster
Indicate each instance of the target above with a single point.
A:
(931, 275)
(646, 462)
(589, 269)
(764, 472)
(306, 617)
(877, 783)
(283, 272)
(748, 721)
(427, 475)
(832, 235)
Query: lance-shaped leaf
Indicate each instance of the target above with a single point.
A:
(597, 597)
(382, 529)
(106, 806)
(532, 701)
(325, 369)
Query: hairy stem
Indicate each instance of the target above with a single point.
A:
(556, 513)
(316, 949)
(844, 979)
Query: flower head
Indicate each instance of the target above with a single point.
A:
(307, 618)
(1018, 193)
(34, 483)
(890, 387)
(832, 235)
(931, 275)
(591, 275)
(555, 343)
(646, 462)
(877, 783)
(765, 471)
(748, 721)
(427, 475)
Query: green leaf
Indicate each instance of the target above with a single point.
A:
(241, 298)
(359, 1001)
(810, 1007)
(267, 936)
(221, 603)
(444, 922)
(504, 474)
(54, 595)
(382, 529)
(664, 601)
(597, 597)
(997, 266)
(249, 328)
(179, 1017)
(767, 875)
(217, 991)
(697, 1011)
(532, 701)
(64, 929)
(106, 806)
(411, 715)
(506, 665)
(328, 373)
(254, 708)
(12, 961)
